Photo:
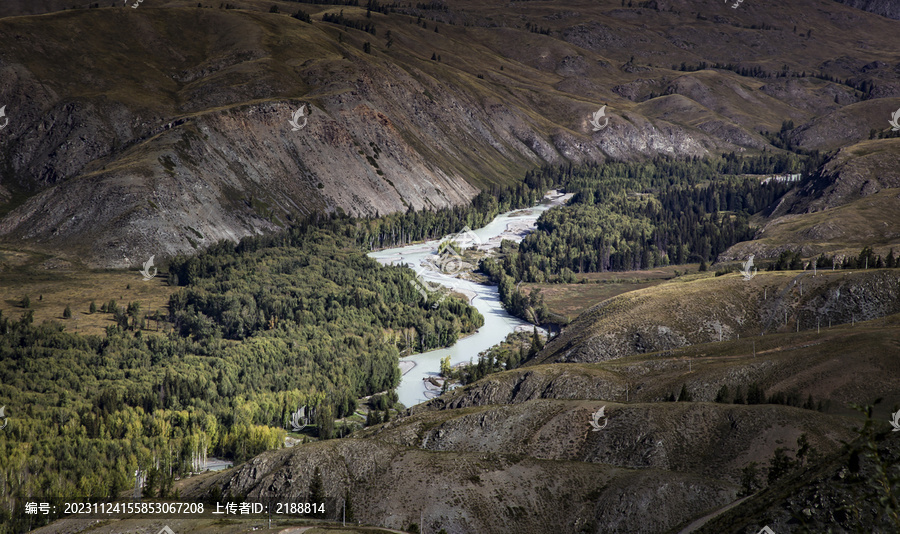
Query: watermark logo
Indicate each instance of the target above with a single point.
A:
(166, 530)
(895, 121)
(449, 261)
(736, 4)
(746, 271)
(299, 417)
(146, 270)
(136, 4)
(422, 287)
(766, 530)
(597, 416)
(600, 114)
(895, 422)
(6, 119)
(3, 417)
(295, 122)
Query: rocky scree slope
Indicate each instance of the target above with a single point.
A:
(394, 486)
(708, 439)
(834, 496)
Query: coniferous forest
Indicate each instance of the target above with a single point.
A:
(632, 216)
(259, 329)
(399, 229)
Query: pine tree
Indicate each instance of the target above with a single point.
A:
(756, 394)
(316, 488)
(804, 449)
(373, 417)
(749, 479)
(325, 422)
(779, 465)
(723, 396)
(536, 341)
(809, 404)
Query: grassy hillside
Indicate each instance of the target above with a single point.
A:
(567, 301)
(849, 205)
(837, 367)
(701, 308)
(52, 284)
(715, 440)
(516, 420)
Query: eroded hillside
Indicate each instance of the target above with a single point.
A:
(471, 460)
(167, 127)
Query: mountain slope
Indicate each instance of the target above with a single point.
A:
(849, 205)
(828, 366)
(167, 127)
(470, 492)
(474, 470)
(833, 496)
(467, 460)
(885, 8)
(702, 309)
(714, 440)
(516, 451)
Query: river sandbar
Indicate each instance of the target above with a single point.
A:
(406, 366)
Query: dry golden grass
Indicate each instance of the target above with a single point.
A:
(870, 220)
(569, 300)
(838, 366)
(52, 284)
